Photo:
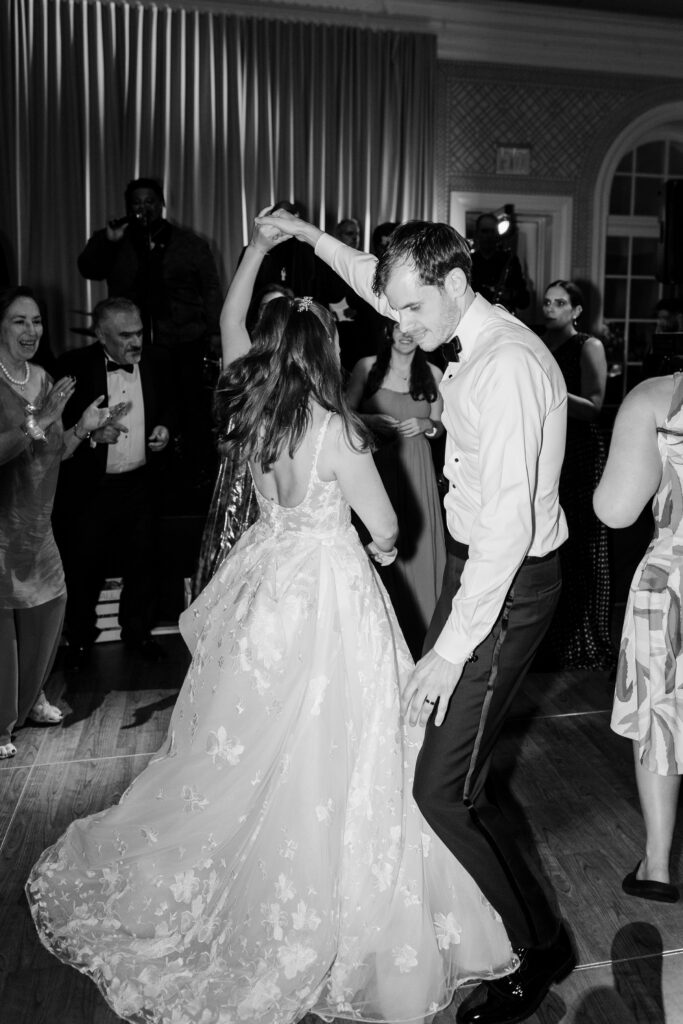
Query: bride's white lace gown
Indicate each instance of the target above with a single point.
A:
(270, 860)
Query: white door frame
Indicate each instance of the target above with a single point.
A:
(558, 208)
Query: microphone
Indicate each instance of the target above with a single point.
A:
(118, 222)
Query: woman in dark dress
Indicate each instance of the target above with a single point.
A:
(579, 635)
(397, 394)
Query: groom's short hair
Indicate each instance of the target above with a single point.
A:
(434, 250)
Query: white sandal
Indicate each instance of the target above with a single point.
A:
(44, 713)
(7, 750)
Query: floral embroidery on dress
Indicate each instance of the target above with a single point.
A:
(270, 860)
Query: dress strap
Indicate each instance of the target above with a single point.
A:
(676, 398)
(319, 443)
(321, 435)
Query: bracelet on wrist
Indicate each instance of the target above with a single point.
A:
(432, 431)
(82, 437)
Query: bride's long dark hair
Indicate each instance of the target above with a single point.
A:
(263, 400)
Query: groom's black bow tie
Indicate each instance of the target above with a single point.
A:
(112, 366)
(452, 349)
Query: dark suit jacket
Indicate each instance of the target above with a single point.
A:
(176, 285)
(88, 465)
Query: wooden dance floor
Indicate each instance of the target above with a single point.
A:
(569, 775)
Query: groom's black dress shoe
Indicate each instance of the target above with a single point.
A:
(517, 996)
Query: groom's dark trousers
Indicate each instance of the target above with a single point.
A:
(452, 768)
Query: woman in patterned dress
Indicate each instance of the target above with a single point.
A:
(579, 634)
(646, 459)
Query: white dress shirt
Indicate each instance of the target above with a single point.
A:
(505, 414)
(129, 452)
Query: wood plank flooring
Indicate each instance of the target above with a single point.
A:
(569, 776)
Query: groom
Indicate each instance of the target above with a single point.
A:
(505, 411)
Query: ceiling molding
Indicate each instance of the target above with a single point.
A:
(493, 31)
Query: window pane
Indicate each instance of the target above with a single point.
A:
(639, 339)
(615, 299)
(626, 163)
(616, 257)
(648, 196)
(644, 295)
(676, 158)
(650, 158)
(644, 261)
(620, 197)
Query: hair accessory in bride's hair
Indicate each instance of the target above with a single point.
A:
(303, 305)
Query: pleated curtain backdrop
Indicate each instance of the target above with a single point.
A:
(230, 113)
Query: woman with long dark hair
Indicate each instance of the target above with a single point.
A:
(397, 394)
(270, 860)
(579, 635)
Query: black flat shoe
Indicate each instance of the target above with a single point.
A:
(517, 996)
(661, 892)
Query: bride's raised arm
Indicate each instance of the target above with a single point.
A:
(235, 341)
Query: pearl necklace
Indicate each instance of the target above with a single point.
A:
(17, 383)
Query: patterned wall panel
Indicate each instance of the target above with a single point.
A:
(568, 119)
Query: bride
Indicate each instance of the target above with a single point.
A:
(270, 860)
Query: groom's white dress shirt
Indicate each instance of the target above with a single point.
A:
(505, 414)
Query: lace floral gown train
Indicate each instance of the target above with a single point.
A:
(270, 860)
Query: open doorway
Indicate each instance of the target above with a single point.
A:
(543, 236)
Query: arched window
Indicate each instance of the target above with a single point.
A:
(629, 211)
(631, 289)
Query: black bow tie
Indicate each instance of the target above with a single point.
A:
(112, 366)
(452, 349)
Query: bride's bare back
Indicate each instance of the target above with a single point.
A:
(286, 483)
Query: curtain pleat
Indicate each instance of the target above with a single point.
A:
(230, 113)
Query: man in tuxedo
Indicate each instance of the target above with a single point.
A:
(106, 510)
(170, 273)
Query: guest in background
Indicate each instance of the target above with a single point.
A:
(397, 394)
(170, 274)
(380, 236)
(108, 494)
(233, 505)
(579, 635)
(669, 313)
(32, 445)
(357, 323)
(496, 270)
(646, 459)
